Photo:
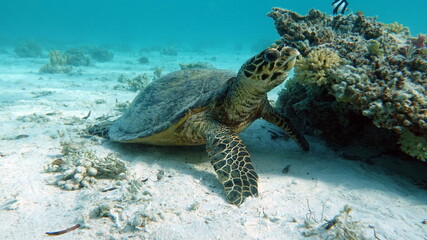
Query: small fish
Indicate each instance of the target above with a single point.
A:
(339, 6)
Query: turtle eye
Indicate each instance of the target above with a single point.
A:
(271, 55)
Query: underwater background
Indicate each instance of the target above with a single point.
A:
(66, 65)
(208, 23)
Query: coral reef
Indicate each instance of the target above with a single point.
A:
(28, 50)
(382, 79)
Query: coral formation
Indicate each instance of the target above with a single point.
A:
(28, 50)
(374, 48)
(317, 66)
(396, 28)
(381, 80)
(143, 60)
(81, 168)
(76, 57)
(419, 42)
(57, 63)
(196, 65)
(135, 84)
(169, 51)
(101, 54)
(158, 71)
(341, 227)
(56, 58)
(416, 146)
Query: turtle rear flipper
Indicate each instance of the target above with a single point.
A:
(232, 163)
(100, 130)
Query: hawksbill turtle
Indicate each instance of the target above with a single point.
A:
(207, 106)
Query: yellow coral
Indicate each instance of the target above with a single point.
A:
(414, 146)
(394, 27)
(317, 67)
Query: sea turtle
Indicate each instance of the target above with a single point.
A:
(207, 106)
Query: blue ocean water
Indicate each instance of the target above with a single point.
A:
(205, 22)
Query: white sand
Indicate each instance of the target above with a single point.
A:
(188, 202)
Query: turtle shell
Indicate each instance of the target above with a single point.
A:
(167, 100)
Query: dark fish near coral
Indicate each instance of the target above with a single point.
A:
(339, 6)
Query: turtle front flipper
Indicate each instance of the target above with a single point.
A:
(232, 163)
(271, 115)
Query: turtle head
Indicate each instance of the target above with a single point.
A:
(270, 67)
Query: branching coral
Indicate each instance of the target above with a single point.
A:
(317, 67)
(375, 81)
(395, 27)
(56, 58)
(57, 63)
(135, 84)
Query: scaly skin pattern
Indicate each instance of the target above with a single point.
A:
(232, 164)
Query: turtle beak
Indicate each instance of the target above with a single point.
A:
(291, 55)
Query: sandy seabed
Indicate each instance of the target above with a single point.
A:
(39, 111)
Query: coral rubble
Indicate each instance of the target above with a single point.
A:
(380, 79)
